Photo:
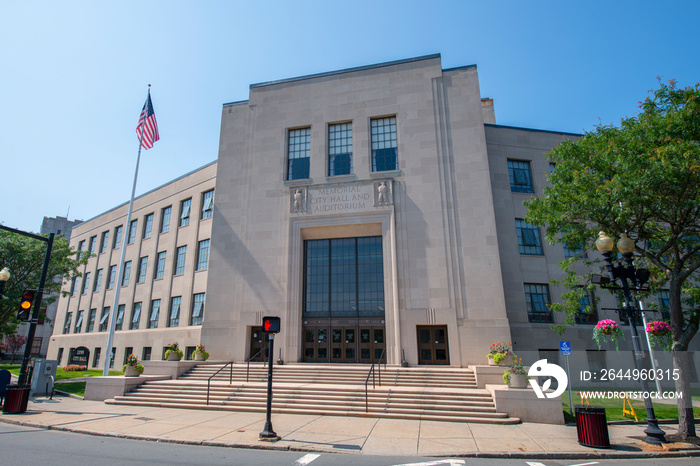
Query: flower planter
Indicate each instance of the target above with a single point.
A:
(130, 371)
(197, 357)
(517, 381)
(507, 361)
(173, 356)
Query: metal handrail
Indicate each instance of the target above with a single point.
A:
(230, 377)
(371, 372)
(247, 371)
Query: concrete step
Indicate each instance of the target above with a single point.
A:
(446, 394)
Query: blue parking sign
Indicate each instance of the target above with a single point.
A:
(565, 348)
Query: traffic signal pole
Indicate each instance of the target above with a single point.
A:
(268, 433)
(37, 301)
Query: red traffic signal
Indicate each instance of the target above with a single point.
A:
(271, 324)
(25, 305)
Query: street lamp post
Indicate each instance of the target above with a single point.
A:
(4, 276)
(629, 275)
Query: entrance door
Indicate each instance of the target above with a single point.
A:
(258, 345)
(432, 345)
(343, 344)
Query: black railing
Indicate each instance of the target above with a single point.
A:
(230, 377)
(247, 371)
(371, 373)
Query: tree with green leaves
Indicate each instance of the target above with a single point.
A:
(24, 258)
(641, 178)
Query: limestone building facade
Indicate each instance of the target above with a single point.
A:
(376, 210)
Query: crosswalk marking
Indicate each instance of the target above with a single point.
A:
(306, 459)
(434, 463)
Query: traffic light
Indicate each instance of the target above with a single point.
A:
(271, 324)
(25, 305)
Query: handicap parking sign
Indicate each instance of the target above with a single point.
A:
(565, 348)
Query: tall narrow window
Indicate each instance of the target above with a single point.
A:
(143, 267)
(165, 219)
(91, 244)
(126, 273)
(79, 322)
(180, 262)
(104, 319)
(147, 226)
(86, 283)
(104, 242)
(135, 317)
(66, 324)
(98, 281)
(529, 239)
(298, 150)
(174, 320)
(111, 276)
(537, 300)
(520, 176)
(74, 287)
(384, 144)
(203, 255)
(120, 317)
(132, 231)
(198, 309)
(208, 204)
(340, 149)
(185, 207)
(160, 266)
(153, 316)
(117, 237)
(91, 320)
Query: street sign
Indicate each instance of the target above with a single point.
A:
(565, 348)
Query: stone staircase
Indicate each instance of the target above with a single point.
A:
(441, 394)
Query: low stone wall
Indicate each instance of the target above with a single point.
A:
(105, 388)
(524, 404)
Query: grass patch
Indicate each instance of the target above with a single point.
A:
(613, 407)
(76, 388)
(61, 374)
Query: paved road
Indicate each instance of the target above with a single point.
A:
(26, 445)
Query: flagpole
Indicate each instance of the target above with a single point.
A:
(114, 310)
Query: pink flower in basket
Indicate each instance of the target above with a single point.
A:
(659, 333)
(658, 328)
(607, 328)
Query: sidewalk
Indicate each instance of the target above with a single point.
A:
(336, 434)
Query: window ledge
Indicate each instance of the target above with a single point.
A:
(301, 182)
(340, 178)
(386, 174)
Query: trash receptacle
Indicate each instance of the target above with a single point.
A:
(16, 399)
(592, 426)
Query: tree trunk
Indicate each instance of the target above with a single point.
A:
(686, 419)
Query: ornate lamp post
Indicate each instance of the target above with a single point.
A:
(631, 279)
(4, 276)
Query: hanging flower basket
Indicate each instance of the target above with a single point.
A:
(659, 333)
(608, 329)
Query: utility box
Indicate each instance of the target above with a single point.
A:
(43, 369)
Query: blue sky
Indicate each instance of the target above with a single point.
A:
(74, 75)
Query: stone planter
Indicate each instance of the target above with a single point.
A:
(507, 361)
(197, 356)
(130, 371)
(172, 356)
(517, 381)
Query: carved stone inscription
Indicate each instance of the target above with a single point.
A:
(340, 199)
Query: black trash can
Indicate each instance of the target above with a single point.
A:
(16, 399)
(592, 426)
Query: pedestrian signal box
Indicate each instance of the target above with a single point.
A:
(271, 324)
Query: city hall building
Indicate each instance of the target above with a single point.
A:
(376, 210)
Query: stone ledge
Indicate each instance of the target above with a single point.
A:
(524, 404)
(488, 375)
(104, 388)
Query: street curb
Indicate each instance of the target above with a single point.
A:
(595, 454)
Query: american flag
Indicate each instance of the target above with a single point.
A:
(150, 128)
